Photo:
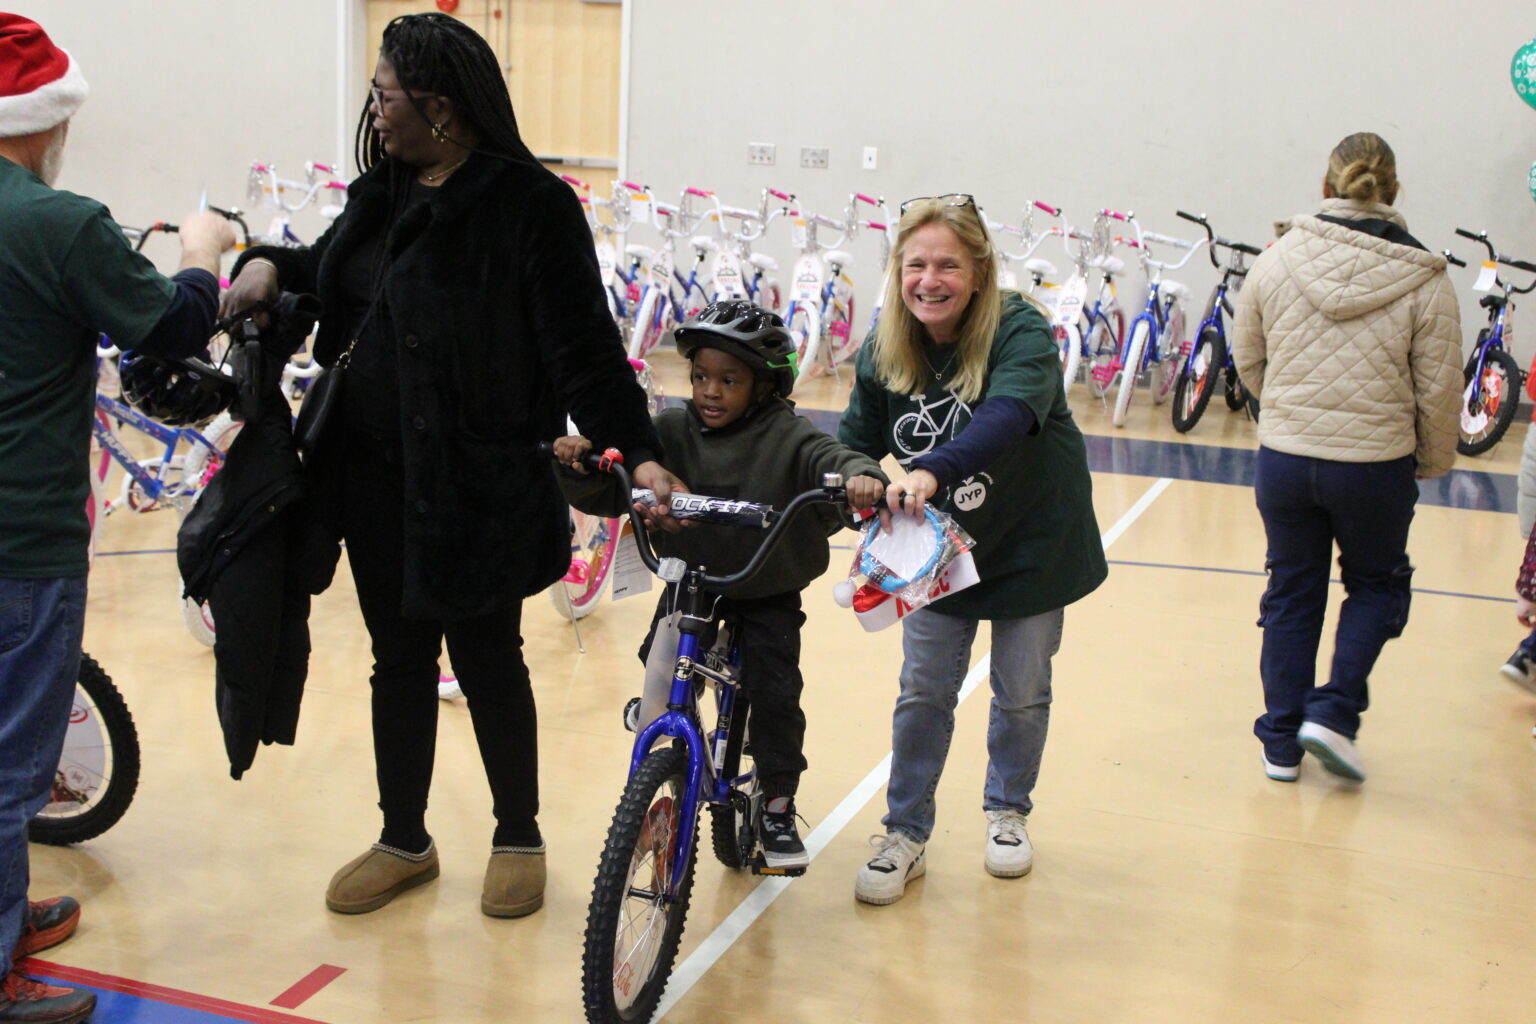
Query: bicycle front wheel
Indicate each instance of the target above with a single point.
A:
(593, 542)
(99, 769)
(1487, 415)
(1197, 381)
(1103, 347)
(1070, 341)
(633, 927)
(1165, 372)
(805, 327)
(1130, 372)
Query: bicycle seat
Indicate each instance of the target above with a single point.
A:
(763, 262)
(1174, 289)
(1111, 265)
(840, 257)
(703, 243)
(642, 252)
(1044, 268)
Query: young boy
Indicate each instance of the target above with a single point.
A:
(739, 437)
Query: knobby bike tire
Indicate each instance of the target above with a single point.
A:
(730, 826)
(1500, 411)
(624, 988)
(1197, 381)
(1131, 372)
(91, 798)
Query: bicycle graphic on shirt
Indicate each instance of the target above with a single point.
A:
(917, 433)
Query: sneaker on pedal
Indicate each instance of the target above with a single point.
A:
(1520, 669)
(897, 861)
(1009, 853)
(23, 999)
(782, 848)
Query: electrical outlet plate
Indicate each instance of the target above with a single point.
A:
(814, 157)
(871, 158)
(760, 154)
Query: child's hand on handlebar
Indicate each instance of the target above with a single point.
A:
(864, 492)
(569, 451)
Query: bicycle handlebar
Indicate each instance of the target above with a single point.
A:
(1215, 239)
(1054, 211)
(1450, 258)
(729, 511)
(1508, 261)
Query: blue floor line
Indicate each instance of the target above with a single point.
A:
(1256, 572)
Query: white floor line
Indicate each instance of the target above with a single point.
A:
(715, 945)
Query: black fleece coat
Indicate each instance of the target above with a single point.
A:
(501, 330)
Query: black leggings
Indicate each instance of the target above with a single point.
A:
(486, 653)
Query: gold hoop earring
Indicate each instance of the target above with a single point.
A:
(438, 134)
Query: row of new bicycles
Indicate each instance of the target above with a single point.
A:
(649, 291)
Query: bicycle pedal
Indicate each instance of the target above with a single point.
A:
(759, 868)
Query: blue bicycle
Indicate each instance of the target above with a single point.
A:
(1492, 377)
(645, 877)
(1210, 357)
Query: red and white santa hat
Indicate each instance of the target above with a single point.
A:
(40, 85)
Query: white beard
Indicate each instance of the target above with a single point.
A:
(53, 160)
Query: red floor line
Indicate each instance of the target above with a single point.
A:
(172, 996)
(308, 985)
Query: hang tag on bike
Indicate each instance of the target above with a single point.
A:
(639, 208)
(797, 233)
(630, 576)
(1487, 277)
(1069, 305)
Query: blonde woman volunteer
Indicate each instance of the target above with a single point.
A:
(963, 386)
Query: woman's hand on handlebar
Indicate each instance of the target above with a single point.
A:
(656, 477)
(256, 283)
(908, 495)
(570, 451)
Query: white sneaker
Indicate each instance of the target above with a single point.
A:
(1280, 772)
(1009, 853)
(897, 861)
(1334, 749)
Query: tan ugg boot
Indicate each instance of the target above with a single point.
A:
(378, 876)
(514, 881)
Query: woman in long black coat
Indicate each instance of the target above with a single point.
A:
(461, 292)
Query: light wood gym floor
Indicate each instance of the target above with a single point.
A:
(1172, 880)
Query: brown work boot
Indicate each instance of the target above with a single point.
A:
(24, 1001)
(48, 923)
(514, 881)
(378, 876)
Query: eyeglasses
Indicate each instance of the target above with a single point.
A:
(948, 199)
(379, 93)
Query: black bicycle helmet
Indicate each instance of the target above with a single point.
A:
(169, 391)
(750, 333)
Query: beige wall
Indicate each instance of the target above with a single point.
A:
(186, 93)
(1229, 108)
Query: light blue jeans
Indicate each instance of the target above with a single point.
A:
(937, 650)
(41, 622)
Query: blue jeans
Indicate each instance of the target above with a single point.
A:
(1308, 505)
(41, 623)
(937, 650)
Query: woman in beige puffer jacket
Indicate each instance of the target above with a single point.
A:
(1347, 329)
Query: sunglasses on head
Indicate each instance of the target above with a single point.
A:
(948, 199)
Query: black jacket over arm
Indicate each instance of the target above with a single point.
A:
(501, 328)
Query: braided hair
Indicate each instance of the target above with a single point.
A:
(434, 53)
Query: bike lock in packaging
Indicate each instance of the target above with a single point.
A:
(916, 563)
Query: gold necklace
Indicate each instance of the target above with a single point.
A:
(939, 374)
(428, 179)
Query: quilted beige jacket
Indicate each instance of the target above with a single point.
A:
(1353, 344)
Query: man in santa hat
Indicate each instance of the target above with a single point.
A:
(66, 274)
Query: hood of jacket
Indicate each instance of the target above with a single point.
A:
(1345, 273)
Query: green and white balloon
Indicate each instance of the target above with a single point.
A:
(1522, 72)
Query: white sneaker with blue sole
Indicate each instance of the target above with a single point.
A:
(1335, 750)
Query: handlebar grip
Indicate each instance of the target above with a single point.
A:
(1054, 211)
(1117, 216)
(1190, 216)
(576, 181)
(1251, 250)
(1464, 233)
(781, 195)
(1451, 259)
(861, 197)
(698, 192)
(1520, 265)
(633, 187)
